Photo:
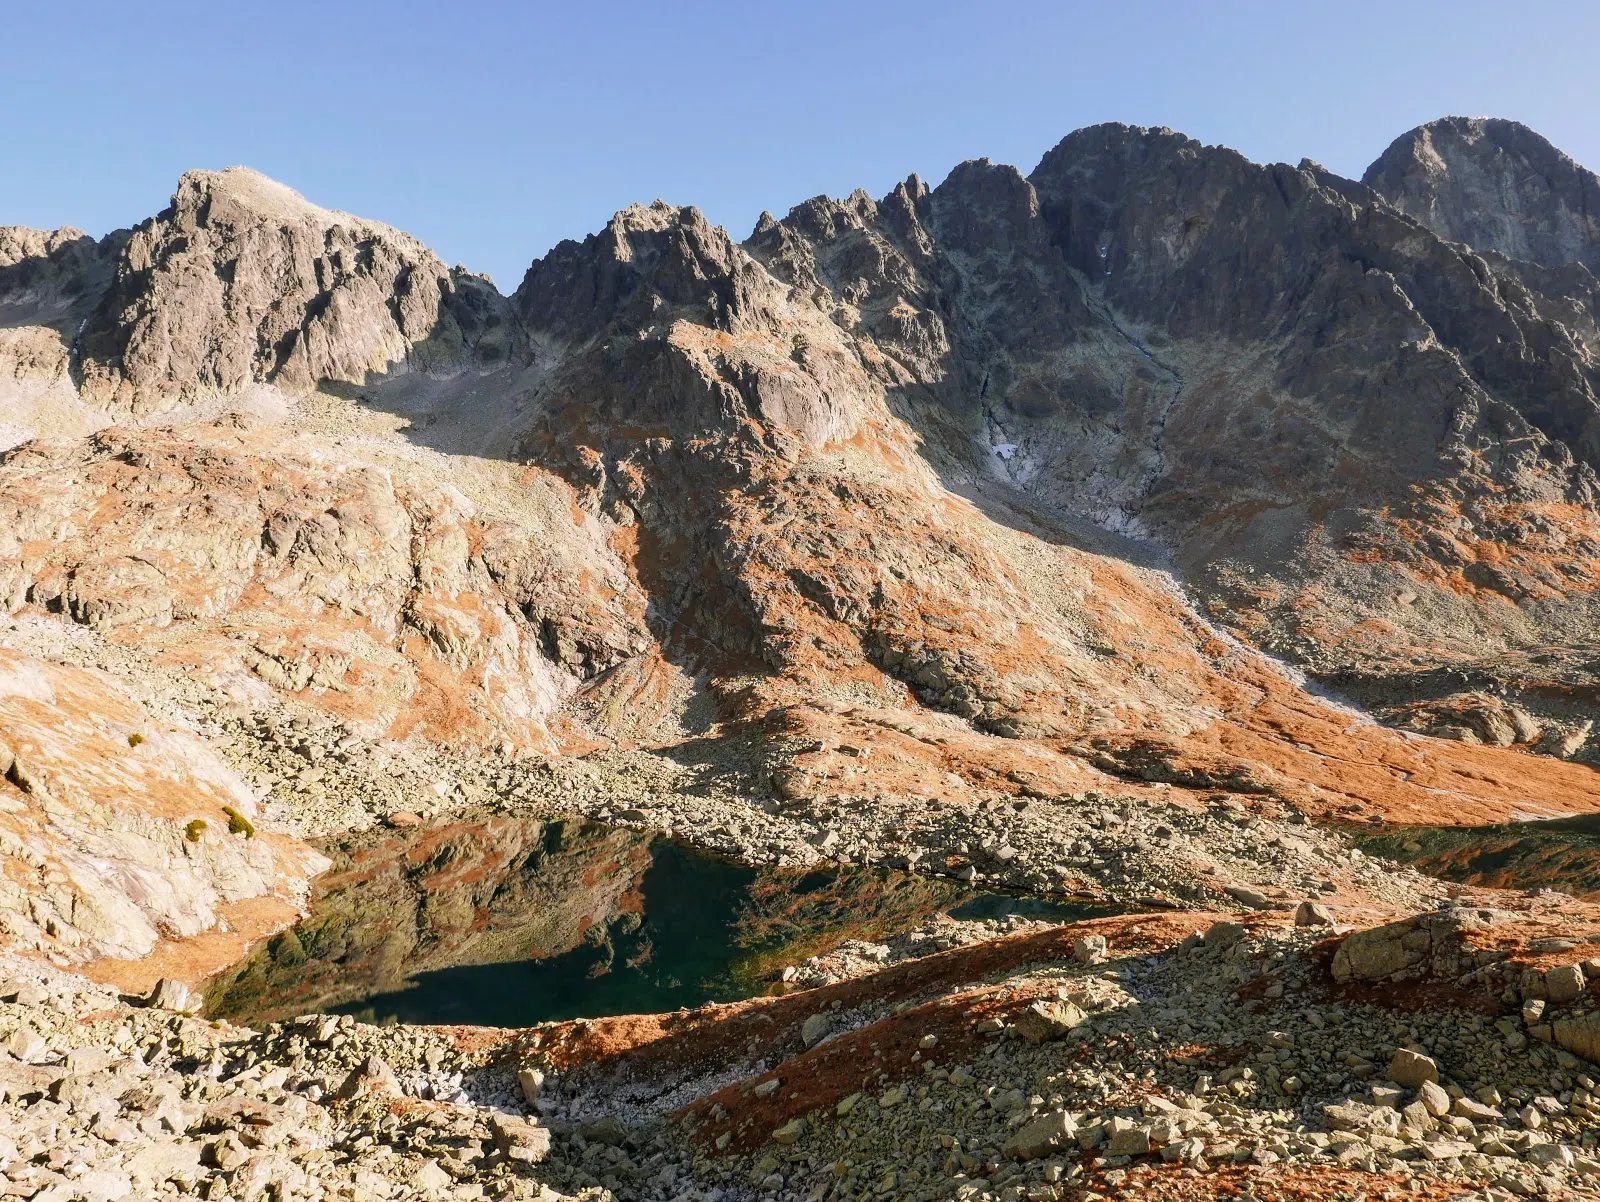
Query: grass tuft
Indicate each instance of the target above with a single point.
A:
(238, 824)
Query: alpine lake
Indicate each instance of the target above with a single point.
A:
(511, 921)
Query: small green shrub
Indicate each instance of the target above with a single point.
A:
(238, 824)
(194, 830)
(135, 739)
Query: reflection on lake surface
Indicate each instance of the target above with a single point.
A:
(511, 921)
(1561, 854)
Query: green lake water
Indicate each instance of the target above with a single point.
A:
(511, 923)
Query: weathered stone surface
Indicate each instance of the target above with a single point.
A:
(815, 1029)
(311, 572)
(1312, 914)
(1580, 1035)
(1432, 1095)
(1051, 1132)
(49, 280)
(1378, 953)
(372, 1076)
(1347, 1116)
(98, 807)
(1049, 1020)
(172, 995)
(46, 269)
(1565, 983)
(1412, 1069)
(1131, 1140)
(242, 280)
(1089, 949)
(1431, 944)
(530, 1081)
(790, 1132)
(518, 1139)
(1495, 185)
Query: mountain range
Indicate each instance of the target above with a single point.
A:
(1152, 530)
(1050, 458)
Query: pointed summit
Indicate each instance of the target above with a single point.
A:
(1495, 185)
(241, 281)
(250, 191)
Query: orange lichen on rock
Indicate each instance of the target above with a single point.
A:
(103, 857)
(374, 591)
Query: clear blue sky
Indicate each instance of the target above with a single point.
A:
(493, 130)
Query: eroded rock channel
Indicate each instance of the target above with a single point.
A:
(503, 921)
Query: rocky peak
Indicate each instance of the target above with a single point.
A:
(849, 257)
(1197, 237)
(647, 261)
(996, 195)
(241, 280)
(1495, 185)
(241, 196)
(663, 318)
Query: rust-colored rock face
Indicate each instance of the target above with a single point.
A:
(1367, 448)
(265, 560)
(118, 832)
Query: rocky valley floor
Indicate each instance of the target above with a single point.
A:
(1304, 1044)
(1175, 1055)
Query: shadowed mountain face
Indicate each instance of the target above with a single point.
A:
(883, 464)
